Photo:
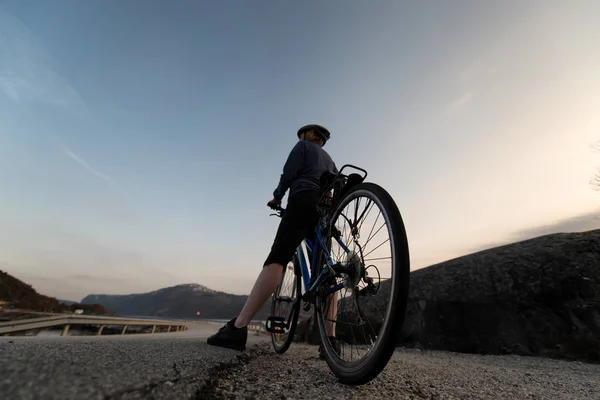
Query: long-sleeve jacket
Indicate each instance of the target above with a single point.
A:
(303, 169)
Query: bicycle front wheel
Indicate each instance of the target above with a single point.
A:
(372, 274)
(286, 306)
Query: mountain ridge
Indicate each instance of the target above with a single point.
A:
(187, 300)
(195, 286)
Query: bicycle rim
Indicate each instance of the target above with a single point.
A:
(366, 321)
(286, 304)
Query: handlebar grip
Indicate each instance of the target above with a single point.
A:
(274, 207)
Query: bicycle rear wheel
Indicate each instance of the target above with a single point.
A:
(286, 306)
(367, 314)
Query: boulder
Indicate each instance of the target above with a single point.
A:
(536, 297)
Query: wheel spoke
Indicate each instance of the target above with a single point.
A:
(362, 214)
(377, 259)
(372, 236)
(384, 242)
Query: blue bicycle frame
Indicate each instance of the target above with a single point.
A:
(314, 247)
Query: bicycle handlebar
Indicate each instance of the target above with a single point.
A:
(274, 207)
(279, 209)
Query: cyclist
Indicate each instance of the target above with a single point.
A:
(302, 172)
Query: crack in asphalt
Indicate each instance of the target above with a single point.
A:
(206, 388)
(210, 389)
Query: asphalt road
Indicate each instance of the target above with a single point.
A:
(169, 365)
(181, 366)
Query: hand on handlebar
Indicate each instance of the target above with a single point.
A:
(275, 204)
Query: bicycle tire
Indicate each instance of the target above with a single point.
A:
(281, 348)
(366, 370)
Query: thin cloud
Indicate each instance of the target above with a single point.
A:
(459, 102)
(85, 164)
(27, 72)
(11, 87)
(580, 223)
(69, 153)
(97, 278)
(446, 111)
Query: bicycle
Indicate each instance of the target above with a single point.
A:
(326, 281)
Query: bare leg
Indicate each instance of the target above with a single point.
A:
(331, 314)
(265, 285)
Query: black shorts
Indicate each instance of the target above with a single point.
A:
(298, 222)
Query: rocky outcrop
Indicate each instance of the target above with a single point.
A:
(536, 297)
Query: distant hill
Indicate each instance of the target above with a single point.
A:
(181, 301)
(22, 295)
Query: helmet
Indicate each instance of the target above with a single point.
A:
(318, 129)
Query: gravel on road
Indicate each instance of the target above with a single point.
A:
(410, 374)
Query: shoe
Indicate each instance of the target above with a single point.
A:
(334, 343)
(230, 337)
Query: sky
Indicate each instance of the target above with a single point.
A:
(141, 140)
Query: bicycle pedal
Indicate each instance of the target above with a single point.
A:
(275, 325)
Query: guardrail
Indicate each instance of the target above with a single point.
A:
(67, 320)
